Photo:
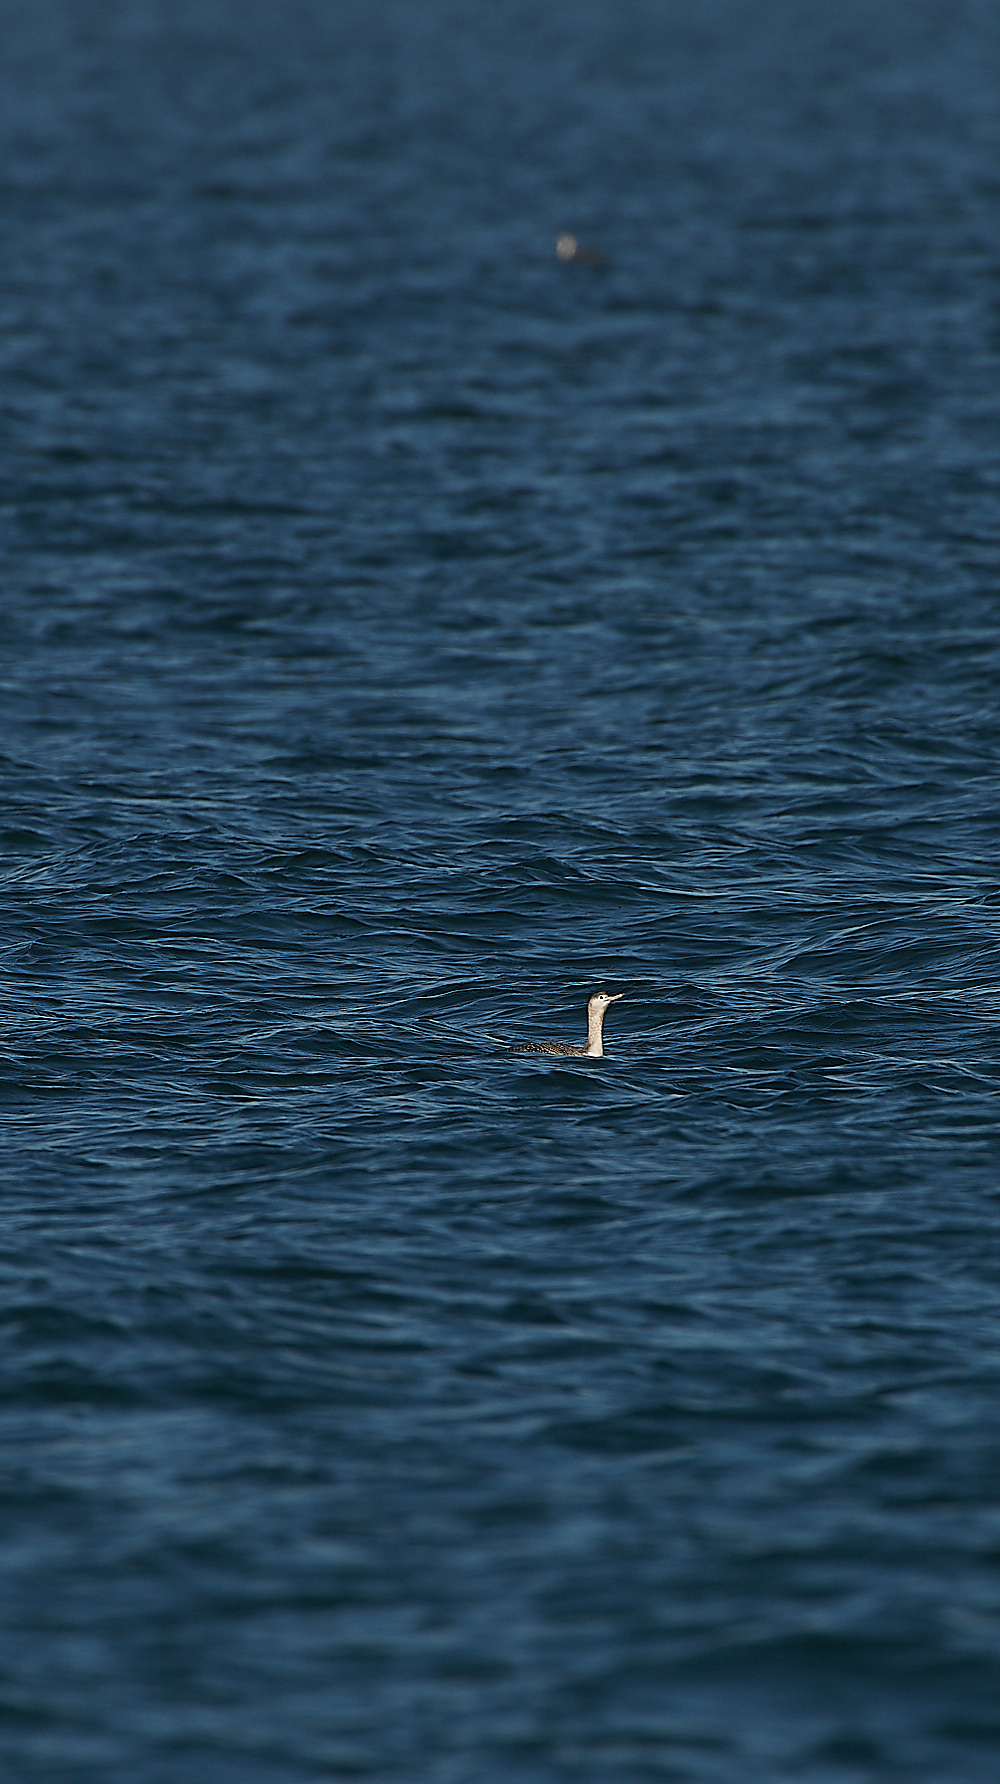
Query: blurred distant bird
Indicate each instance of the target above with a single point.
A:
(569, 249)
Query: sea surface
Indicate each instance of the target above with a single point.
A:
(405, 631)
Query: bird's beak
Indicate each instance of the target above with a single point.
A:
(617, 997)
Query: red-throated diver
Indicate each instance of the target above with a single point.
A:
(594, 1049)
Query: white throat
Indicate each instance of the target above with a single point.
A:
(595, 1034)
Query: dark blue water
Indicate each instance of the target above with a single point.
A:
(402, 633)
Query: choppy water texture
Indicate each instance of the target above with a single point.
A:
(404, 632)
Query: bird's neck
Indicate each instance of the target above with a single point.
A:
(595, 1034)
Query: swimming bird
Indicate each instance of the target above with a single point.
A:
(569, 249)
(596, 1007)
